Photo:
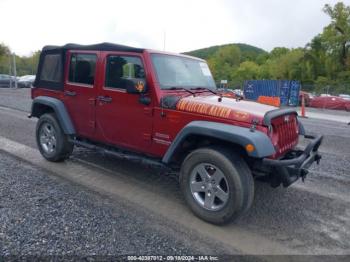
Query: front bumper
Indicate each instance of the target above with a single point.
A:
(295, 164)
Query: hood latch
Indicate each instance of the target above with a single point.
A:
(254, 124)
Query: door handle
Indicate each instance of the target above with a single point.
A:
(105, 99)
(70, 93)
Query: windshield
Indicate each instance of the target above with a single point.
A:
(176, 71)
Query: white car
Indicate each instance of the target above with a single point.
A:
(26, 81)
(344, 96)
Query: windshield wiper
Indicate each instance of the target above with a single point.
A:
(181, 88)
(205, 88)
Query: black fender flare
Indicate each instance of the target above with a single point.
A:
(230, 133)
(60, 111)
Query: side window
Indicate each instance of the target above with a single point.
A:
(82, 68)
(52, 68)
(121, 69)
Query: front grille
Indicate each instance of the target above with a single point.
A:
(286, 127)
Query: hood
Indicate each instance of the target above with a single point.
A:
(228, 108)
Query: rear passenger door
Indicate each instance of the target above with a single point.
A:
(80, 90)
(121, 118)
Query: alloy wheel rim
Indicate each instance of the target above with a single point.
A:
(209, 186)
(48, 138)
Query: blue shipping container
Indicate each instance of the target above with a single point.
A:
(294, 93)
(286, 90)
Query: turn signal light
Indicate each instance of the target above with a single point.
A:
(250, 148)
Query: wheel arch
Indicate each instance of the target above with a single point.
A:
(204, 133)
(43, 104)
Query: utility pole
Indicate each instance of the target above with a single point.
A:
(14, 69)
(32, 64)
(10, 67)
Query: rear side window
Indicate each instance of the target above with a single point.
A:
(82, 68)
(121, 69)
(52, 68)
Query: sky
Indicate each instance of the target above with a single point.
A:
(185, 25)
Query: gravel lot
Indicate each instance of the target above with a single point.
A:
(44, 215)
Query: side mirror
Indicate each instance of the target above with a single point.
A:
(136, 86)
(145, 100)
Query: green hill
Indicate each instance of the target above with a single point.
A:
(248, 51)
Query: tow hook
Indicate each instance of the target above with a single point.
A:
(303, 174)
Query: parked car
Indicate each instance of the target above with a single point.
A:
(26, 81)
(161, 109)
(5, 80)
(344, 96)
(330, 102)
(238, 92)
(226, 92)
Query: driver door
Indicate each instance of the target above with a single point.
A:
(121, 119)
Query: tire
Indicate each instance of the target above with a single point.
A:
(53, 144)
(234, 172)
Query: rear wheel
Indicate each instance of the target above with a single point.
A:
(217, 184)
(53, 144)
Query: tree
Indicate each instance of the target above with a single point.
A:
(224, 61)
(336, 36)
(287, 65)
(323, 84)
(278, 52)
(220, 70)
(27, 65)
(314, 58)
(4, 59)
(246, 70)
(4, 50)
(230, 55)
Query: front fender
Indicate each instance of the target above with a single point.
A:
(230, 133)
(60, 111)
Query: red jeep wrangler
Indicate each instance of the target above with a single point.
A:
(162, 109)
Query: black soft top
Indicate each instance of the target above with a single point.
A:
(95, 47)
(57, 68)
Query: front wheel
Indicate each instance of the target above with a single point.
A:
(217, 184)
(53, 144)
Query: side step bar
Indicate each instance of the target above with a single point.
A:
(141, 159)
